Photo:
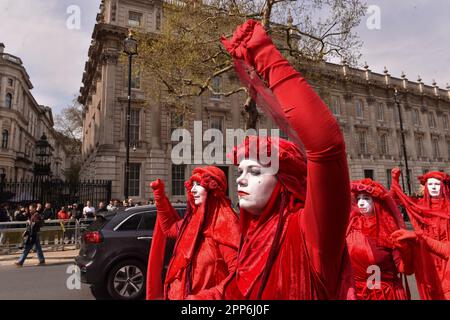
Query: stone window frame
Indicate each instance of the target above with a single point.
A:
(219, 117)
(9, 100)
(336, 105)
(216, 85)
(415, 114)
(177, 120)
(178, 177)
(5, 138)
(435, 147)
(363, 147)
(380, 110)
(359, 103)
(134, 180)
(140, 16)
(158, 19)
(445, 123)
(383, 137)
(431, 120)
(420, 150)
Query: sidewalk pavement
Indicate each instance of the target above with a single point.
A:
(51, 257)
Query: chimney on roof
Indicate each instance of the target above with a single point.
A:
(2, 47)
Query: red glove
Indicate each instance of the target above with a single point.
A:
(402, 238)
(441, 248)
(396, 172)
(251, 43)
(158, 189)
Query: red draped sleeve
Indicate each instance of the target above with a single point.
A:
(325, 217)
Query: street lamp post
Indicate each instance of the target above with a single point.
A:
(43, 154)
(42, 167)
(130, 48)
(402, 132)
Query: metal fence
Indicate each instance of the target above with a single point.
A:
(54, 235)
(58, 193)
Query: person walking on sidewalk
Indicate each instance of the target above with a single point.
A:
(31, 237)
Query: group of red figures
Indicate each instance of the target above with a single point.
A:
(305, 232)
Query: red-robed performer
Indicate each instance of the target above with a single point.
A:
(206, 244)
(373, 219)
(430, 217)
(293, 223)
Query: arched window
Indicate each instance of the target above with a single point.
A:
(8, 100)
(5, 136)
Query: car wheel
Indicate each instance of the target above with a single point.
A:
(126, 280)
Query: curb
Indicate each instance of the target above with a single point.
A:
(51, 257)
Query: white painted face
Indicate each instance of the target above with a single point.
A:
(199, 193)
(365, 203)
(255, 186)
(434, 187)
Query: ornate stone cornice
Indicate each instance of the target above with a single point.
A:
(109, 57)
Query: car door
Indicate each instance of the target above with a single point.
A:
(144, 233)
(124, 235)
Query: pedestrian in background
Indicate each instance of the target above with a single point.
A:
(76, 212)
(31, 237)
(110, 206)
(88, 210)
(63, 214)
(48, 213)
(101, 208)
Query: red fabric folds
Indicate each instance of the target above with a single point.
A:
(206, 243)
(370, 244)
(430, 219)
(296, 248)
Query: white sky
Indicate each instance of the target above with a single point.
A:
(414, 37)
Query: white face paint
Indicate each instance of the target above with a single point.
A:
(199, 193)
(365, 203)
(255, 186)
(434, 187)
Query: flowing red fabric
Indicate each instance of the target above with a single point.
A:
(206, 243)
(430, 218)
(158, 247)
(369, 242)
(295, 249)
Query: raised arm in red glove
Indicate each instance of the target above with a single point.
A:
(169, 219)
(324, 219)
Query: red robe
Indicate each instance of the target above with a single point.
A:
(431, 221)
(205, 250)
(310, 254)
(365, 251)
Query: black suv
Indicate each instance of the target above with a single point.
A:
(114, 252)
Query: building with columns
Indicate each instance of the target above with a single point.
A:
(361, 100)
(23, 122)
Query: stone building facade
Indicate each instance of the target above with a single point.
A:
(22, 123)
(361, 100)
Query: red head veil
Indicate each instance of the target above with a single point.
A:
(215, 212)
(256, 255)
(388, 217)
(444, 199)
(428, 280)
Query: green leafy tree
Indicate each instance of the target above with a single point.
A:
(186, 57)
